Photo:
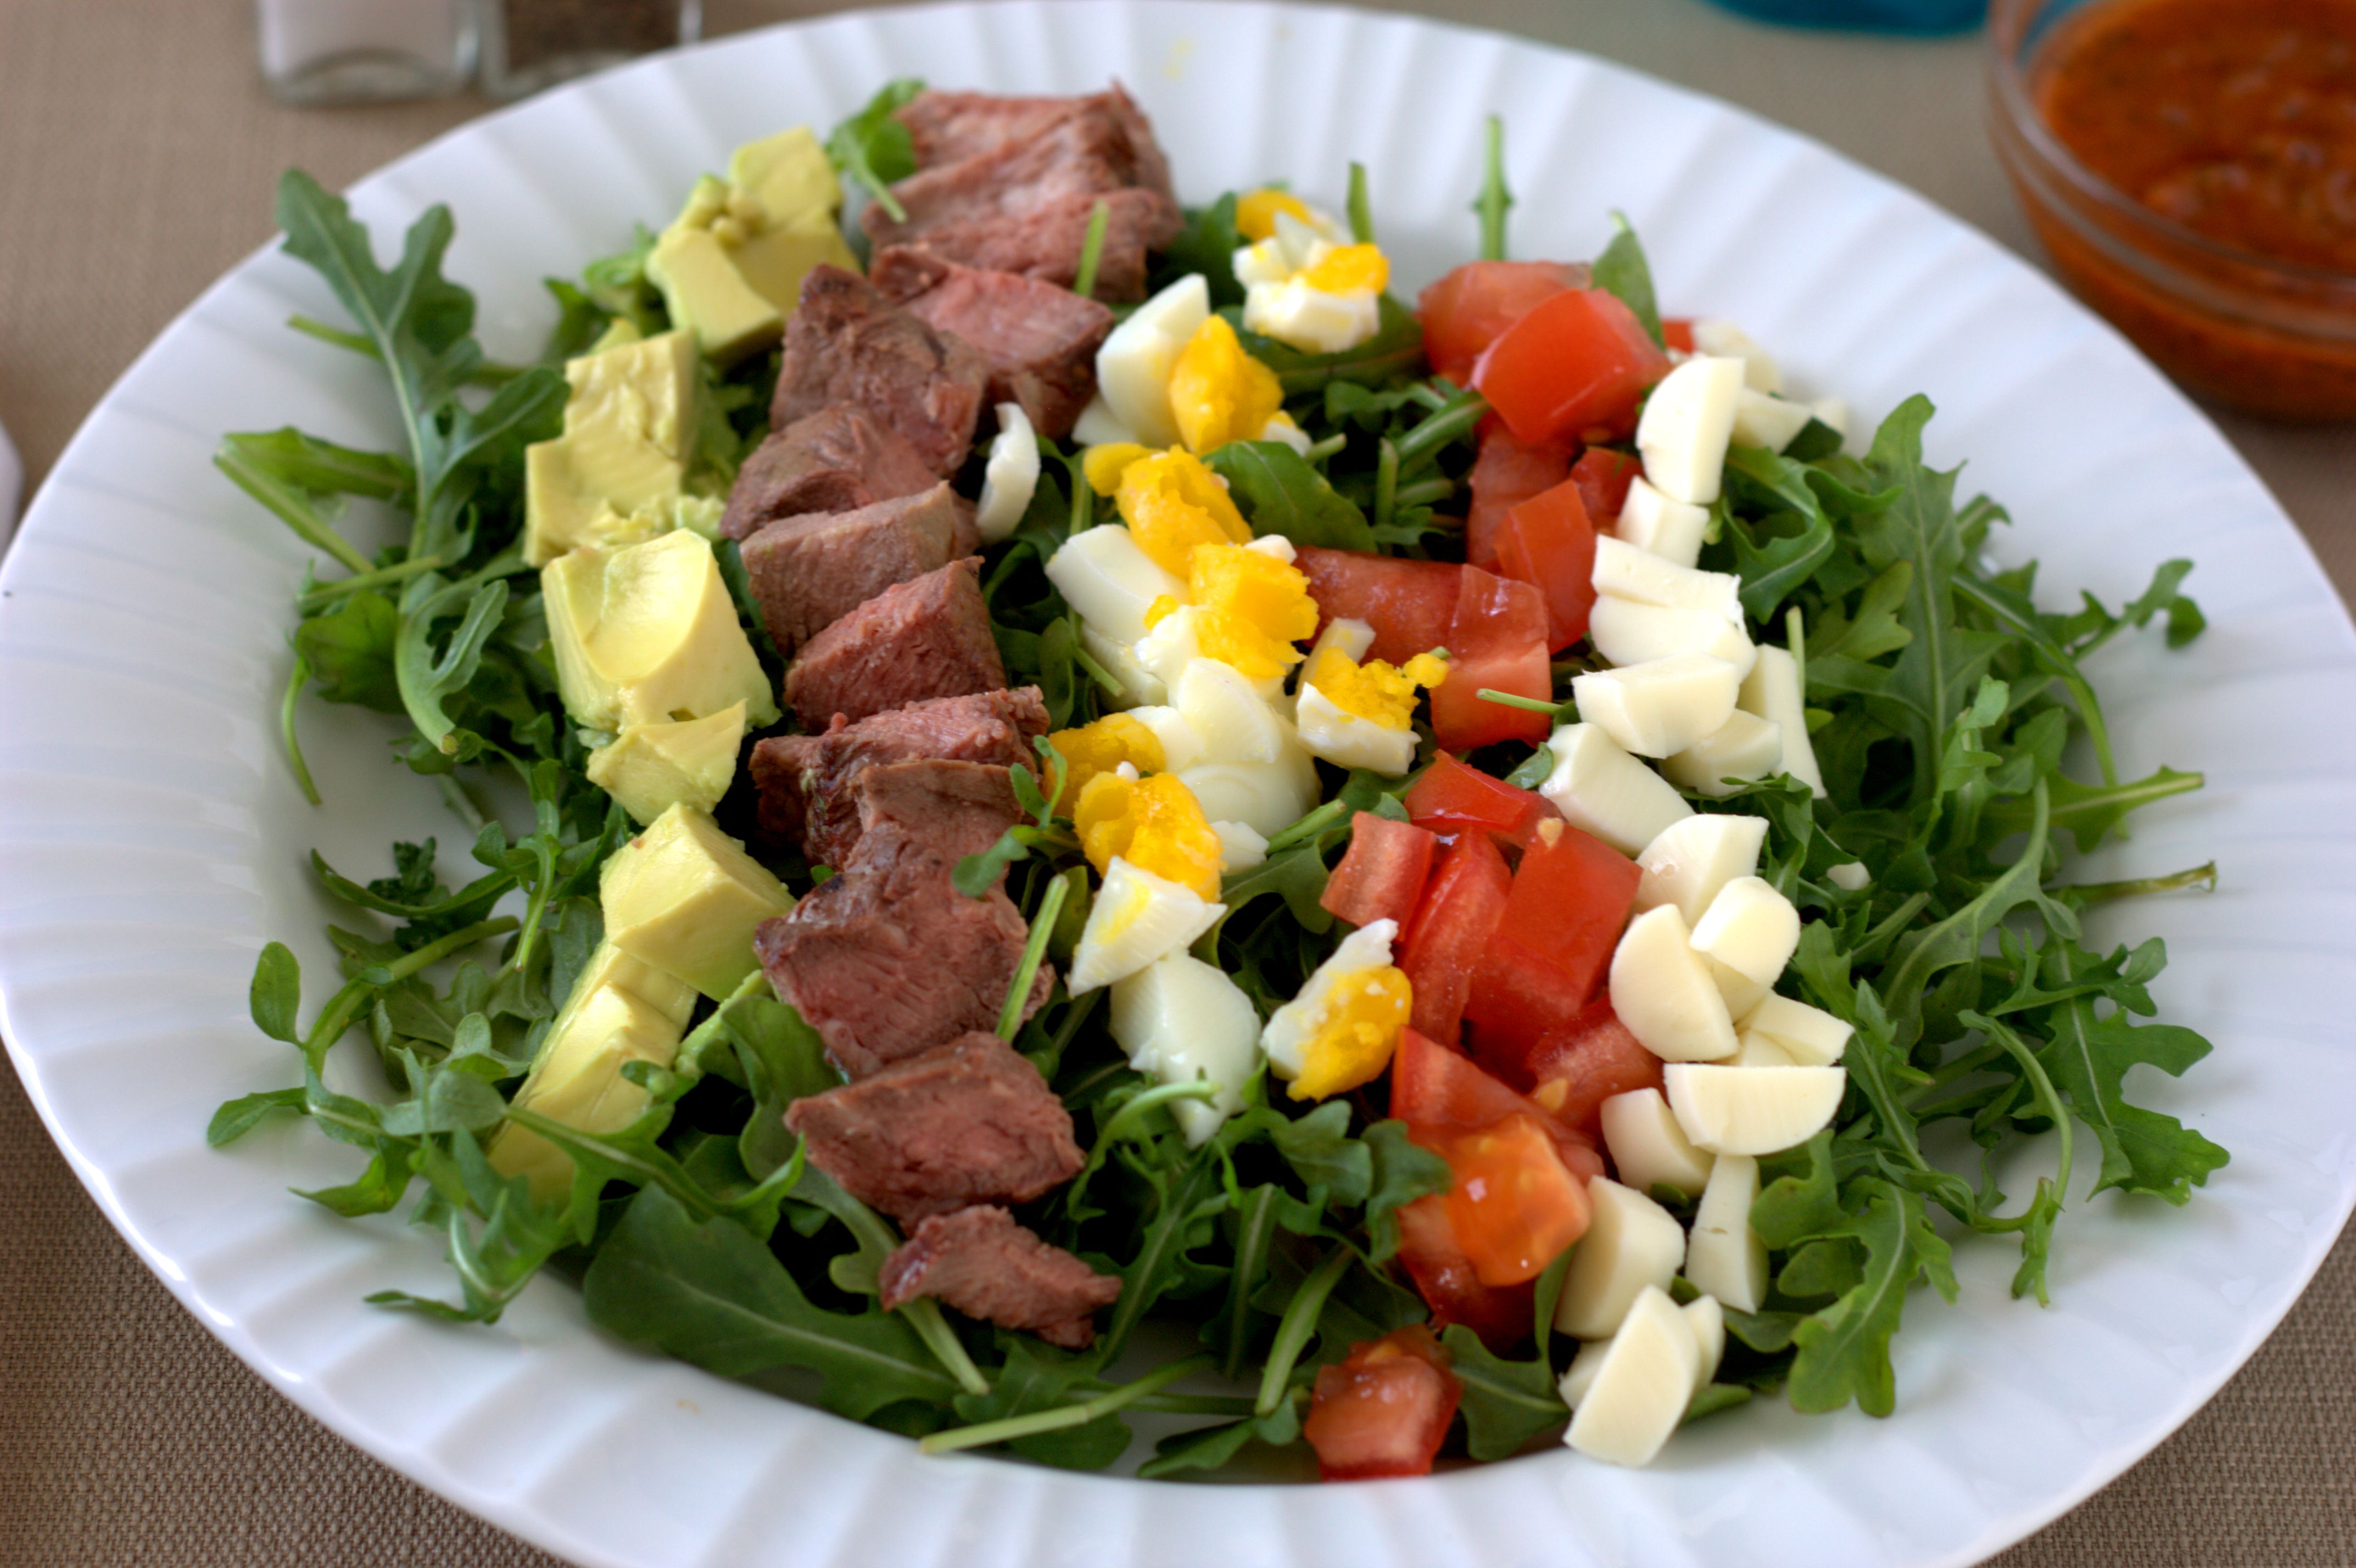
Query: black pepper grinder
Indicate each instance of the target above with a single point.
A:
(531, 44)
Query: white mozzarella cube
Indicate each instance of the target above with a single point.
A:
(1729, 341)
(1752, 1110)
(1686, 427)
(1772, 691)
(1659, 707)
(1137, 919)
(1099, 426)
(1834, 412)
(1138, 685)
(1737, 990)
(1105, 575)
(1579, 1376)
(1628, 632)
(1766, 421)
(1310, 319)
(1241, 846)
(1725, 1261)
(1602, 790)
(1850, 876)
(1663, 991)
(1181, 1019)
(1625, 571)
(1631, 1244)
(1810, 1036)
(1010, 475)
(1269, 798)
(1648, 1148)
(1181, 747)
(1349, 739)
(1229, 715)
(1751, 928)
(1642, 1385)
(1746, 747)
(1134, 364)
(1756, 1049)
(1690, 860)
(1653, 523)
(1707, 1318)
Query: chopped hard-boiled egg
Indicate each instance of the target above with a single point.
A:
(1171, 503)
(1099, 426)
(1269, 798)
(1601, 789)
(1340, 1030)
(1181, 1019)
(1181, 747)
(1686, 427)
(1241, 846)
(1255, 606)
(1232, 722)
(1011, 475)
(1154, 823)
(1663, 991)
(1652, 522)
(1105, 575)
(1631, 1244)
(1363, 715)
(1133, 686)
(1659, 707)
(1725, 1259)
(1137, 919)
(1752, 1110)
(1134, 363)
(1101, 747)
(1648, 1148)
(1744, 748)
(1693, 857)
(1309, 292)
(1641, 1385)
(1772, 691)
(1218, 393)
(1256, 212)
(1102, 465)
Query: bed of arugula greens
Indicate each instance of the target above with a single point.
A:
(1943, 702)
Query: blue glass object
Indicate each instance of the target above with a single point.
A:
(1884, 15)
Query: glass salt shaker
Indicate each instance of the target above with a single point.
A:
(350, 51)
(532, 44)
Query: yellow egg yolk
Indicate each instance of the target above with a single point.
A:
(1155, 823)
(1356, 1031)
(1254, 608)
(1105, 461)
(1382, 693)
(1101, 747)
(1171, 503)
(1256, 211)
(1349, 269)
(1219, 393)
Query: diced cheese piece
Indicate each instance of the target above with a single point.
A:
(1850, 876)
(1631, 1244)
(1751, 928)
(1691, 859)
(1707, 1318)
(1601, 789)
(1756, 1049)
(1648, 1148)
(1771, 422)
(1683, 434)
(1660, 706)
(1102, 573)
(1626, 633)
(1833, 412)
(1772, 690)
(1350, 740)
(1652, 522)
(1009, 476)
(1181, 747)
(1752, 1110)
(1137, 919)
(1241, 846)
(1810, 1036)
(1641, 1387)
(1099, 426)
(1179, 1019)
(1744, 748)
(684, 897)
(1268, 796)
(1579, 1376)
(1729, 341)
(1663, 992)
(1138, 685)
(1737, 990)
(1227, 714)
(1134, 364)
(1625, 571)
(1725, 1261)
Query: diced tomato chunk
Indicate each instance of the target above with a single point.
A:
(1571, 902)
(1439, 1093)
(1507, 473)
(1516, 1206)
(1575, 1071)
(1443, 1275)
(1497, 639)
(1411, 604)
(1382, 874)
(1603, 476)
(1676, 332)
(1459, 911)
(1576, 362)
(1466, 309)
(1549, 543)
(1384, 1409)
(1520, 998)
(1451, 797)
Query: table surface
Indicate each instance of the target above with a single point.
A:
(137, 152)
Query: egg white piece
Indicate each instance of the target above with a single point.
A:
(1690, 859)
(1683, 434)
(1350, 740)
(1099, 426)
(1134, 364)
(1310, 319)
(1181, 747)
(1663, 991)
(1107, 576)
(1267, 796)
(1181, 1019)
(1011, 475)
(1241, 846)
(1291, 1027)
(1229, 716)
(1602, 790)
(1137, 919)
(1138, 685)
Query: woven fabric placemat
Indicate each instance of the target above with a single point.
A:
(137, 157)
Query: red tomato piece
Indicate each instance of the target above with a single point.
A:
(1506, 473)
(1520, 999)
(1603, 476)
(1444, 1277)
(1496, 639)
(1465, 311)
(1451, 797)
(1384, 1409)
(1411, 604)
(1549, 543)
(1439, 1093)
(1575, 1071)
(1382, 874)
(1571, 902)
(1579, 361)
(1459, 911)
(1676, 332)
(1515, 1206)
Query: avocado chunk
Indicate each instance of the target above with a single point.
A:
(685, 898)
(609, 966)
(647, 633)
(790, 177)
(651, 768)
(577, 1079)
(731, 265)
(628, 427)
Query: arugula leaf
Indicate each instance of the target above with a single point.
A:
(1394, 351)
(1403, 1172)
(2088, 1056)
(1280, 494)
(873, 149)
(349, 650)
(1621, 270)
(1844, 1349)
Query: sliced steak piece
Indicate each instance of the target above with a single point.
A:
(1041, 340)
(969, 1121)
(808, 571)
(926, 809)
(926, 637)
(847, 344)
(945, 127)
(804, 780)
(982, 1262)
(836, 460)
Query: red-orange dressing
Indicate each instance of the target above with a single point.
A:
(2234, 118)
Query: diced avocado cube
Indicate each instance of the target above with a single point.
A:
(705, 293)
(731, 265)
(651, 768)
(577, 1080)
(789, 177)
(684, 897)
(647, 633)
(609, 966)
(628, 425)
(565, 497)
(775, 261)
(641, 390)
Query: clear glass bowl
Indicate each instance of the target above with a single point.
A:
(2228, 324)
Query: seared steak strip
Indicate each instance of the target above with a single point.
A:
(847, 344)
(1040, 339)
(808, 571)
(926, 637)
(836, 460)
(984, 1264)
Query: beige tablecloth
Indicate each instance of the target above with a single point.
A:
(136, 155)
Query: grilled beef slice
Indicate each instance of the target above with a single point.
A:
(1040, 340)
(836, 460)
(948, 127)
(982, 1262)
(808, 571)
(804, 780)
(969, 1121)
(846, 344)
(926, 637)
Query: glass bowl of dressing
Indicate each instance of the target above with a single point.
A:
(2189, 167)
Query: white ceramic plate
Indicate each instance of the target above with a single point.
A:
(151, 840)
